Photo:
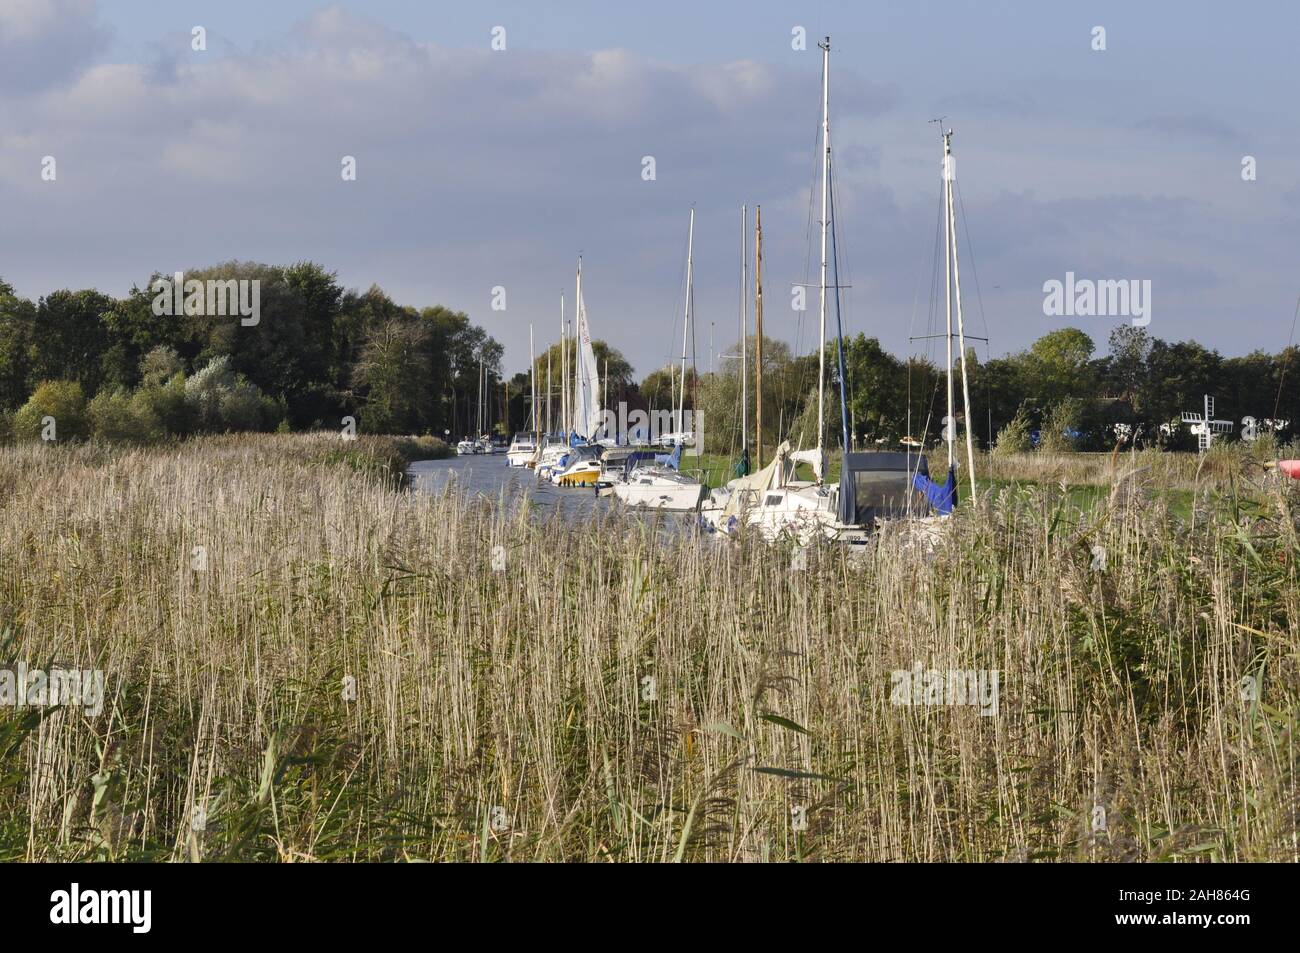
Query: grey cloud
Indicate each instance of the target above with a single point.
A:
(47, 42)
(480, 168)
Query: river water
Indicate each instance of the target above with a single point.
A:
(487, 475)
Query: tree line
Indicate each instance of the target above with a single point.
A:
(1058, 392)
(321, 353)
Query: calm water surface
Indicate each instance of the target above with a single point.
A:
(487, 475)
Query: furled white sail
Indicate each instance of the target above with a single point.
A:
(587, 416)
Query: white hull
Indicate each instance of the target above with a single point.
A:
(659, 494)
(799, 512)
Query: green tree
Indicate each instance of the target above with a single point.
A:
(57, 407)
(17, 319)
(393, 373)
(70, 336)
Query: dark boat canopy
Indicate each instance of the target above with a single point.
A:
(878, 485)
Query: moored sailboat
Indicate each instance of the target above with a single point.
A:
(777, 501)
(580, 464)
(660, 483)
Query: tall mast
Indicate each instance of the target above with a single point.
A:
(686, 325)
(564, 370)
(758, 340)
(744, 331)
(577, 323)
(947, 283)
(532, 380)
(826, 171)
(548, 390)
(950, 175)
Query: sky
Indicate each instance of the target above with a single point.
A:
(481, 168)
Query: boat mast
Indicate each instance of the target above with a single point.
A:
(548, 390)
(758, 340)
(532, 381)
(744, 332)
(949, 176)
(564, 370)
(686, 325)
(577, 323)
(826, 169)
(950, 423)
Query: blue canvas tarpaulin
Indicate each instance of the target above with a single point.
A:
(671, 460)
(941, 496)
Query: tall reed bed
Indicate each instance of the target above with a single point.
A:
(305, 661)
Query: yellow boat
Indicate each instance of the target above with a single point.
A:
(581, 467)
(585, 473)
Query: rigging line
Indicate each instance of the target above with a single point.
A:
(678, 296)
(931, 357)
(970, 250)
(695, 367)
(979, 296)
(801, 382)
(1285, 367)
(933, 325)
(911, 324)
(933, 313)
(839, 325)
(812, 190)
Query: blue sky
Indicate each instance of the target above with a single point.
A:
(479, 168)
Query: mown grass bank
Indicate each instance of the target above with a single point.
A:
(355, 672)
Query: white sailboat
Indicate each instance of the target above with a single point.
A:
(580, 466)
(775, 501)
(524, 445)
(661, 484)
(554, 446)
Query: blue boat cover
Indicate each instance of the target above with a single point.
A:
(671, 460)
(635, 459)
(941, 496)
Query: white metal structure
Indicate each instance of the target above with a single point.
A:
(1205, 426)
(952, 289)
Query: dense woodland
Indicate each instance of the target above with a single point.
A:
(111, 368)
